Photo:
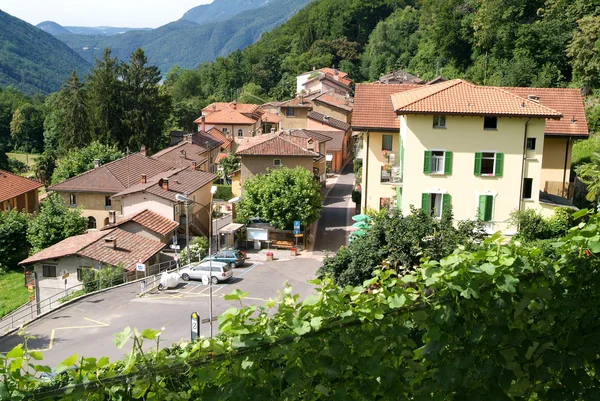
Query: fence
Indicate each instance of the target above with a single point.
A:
(31, 310)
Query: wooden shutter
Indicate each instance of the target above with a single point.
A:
(445, 202)
(489, 207)
(477, 170)
(427, 162)
(482, 207)
(447, 162)
(499, 164)
(425, 203)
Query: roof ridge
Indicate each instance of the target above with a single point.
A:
(528, 100)
(329, 117)
(422, 87)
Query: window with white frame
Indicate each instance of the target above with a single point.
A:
(72, 199)
(439, 121)
(240, 132)
(488, 161)
(277, 162)
(434, 204)
(437, 161)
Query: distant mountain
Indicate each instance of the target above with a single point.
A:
(221, 10)
(186, 43)
(32, 60)
(55, 29)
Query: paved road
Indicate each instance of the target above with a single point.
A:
(333, 227)
(88, 327)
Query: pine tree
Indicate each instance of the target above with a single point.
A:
(72, 104)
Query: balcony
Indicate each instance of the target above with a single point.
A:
(563, 189)
(391, 175)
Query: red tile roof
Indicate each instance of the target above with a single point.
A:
(227, 116)
(325, 119)
(148, 219)
(244, 108)
(336, 100)
(464, 98)
(182, 155)
(12, 185)
(373, 106)
(567, 101)
(272, 145)
(115, 176)
(129, 248)
(219, 136)
(330, 71)
(296, 102)
(220, 157)
(270, 117)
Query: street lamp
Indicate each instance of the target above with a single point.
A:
(187, 202)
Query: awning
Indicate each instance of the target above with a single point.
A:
(230, 228)
(235, 200)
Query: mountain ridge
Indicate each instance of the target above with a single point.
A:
(220, 10)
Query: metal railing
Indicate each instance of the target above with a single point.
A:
(391, 175)
(26, 313)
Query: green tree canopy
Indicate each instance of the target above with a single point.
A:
(54, 222)
(73, 114)
(80, 160)
(13, 239)
(281, 196)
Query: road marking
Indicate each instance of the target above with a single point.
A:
(240, 276)
(51, 343)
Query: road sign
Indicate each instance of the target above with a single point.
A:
(140, 267)
(296, 227)
(65, 276)
(174, 240)
(176, 247)
(30, 288)
(195, 325)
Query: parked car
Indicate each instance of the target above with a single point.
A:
(220, 271)
(233, 258)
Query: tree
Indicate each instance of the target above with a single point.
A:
(13, 239)
(26, 128)
(584, 51)
(229, 165)
(589, 173)
(281, 196)
(146, 106)
(44, 167)
(81, 160)
(73, 116)
(54, 222)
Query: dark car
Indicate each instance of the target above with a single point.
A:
(233, 258)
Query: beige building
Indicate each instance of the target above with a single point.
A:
(481, 150)
(322, 80)
(148, 224)
(188, 148)
(18, 193)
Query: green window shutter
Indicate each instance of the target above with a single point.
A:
(445, 202)
(482, 207)
(499, 164)
(489, 207)
(425, 203)
(427, 162)
(386, 142)
(477, 170)
(447, 163)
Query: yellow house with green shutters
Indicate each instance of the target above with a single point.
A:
(477, 149)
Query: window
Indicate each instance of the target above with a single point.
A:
(439, 121)
(290, 112)
(486, 207)
(91, 223)
(107, 201)
(386, 142)
(224, 130)
(385, 203)
(531, 143)
(240, 132)
(72, 199)
(48, 271)
(435, 203)
(277, 162)
(80, 271)
(527, 188)
(489, 164)
(490, 122)
(437, 162)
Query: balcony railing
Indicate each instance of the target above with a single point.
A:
(391, 175)
(559, 188)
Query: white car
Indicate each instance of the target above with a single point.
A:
(220, 272)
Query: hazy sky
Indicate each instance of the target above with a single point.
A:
(118, 13)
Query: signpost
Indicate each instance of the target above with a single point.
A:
(195, 325)
(296, 230)
(140, 267)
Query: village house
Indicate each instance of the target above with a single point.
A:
(188, 148)
(146, 223)
(61, 266)
(18, 193)
(323, 80)
(486, 151)
(340, 148)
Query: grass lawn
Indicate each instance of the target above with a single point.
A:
(23, 157)
(12, 292)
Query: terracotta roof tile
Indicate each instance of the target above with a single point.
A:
(306, 100)
(270, 117)
(148, 219)
(12, 185)
(319, 136)
(325, 119)
(464, 98)
(567, 101)
(66, 247)
(373, 106)
(114, 176)
(219, 136)
(184, 154)
(244, 108)
(272, 145)
(199, 138)
(220, 157)
(336, 100)
(227, 116)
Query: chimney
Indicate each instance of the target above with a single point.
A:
(143, 150)
(194, 165)
(110, 242)
(143, 179)
(203, 124)
(165, 184)
(347, 99)
(301, 97)
(311, 145)
(336, 74)
(188, 138)
(96, 163)
(235, 104)
(182, 154)
(326, 118)
(112, 217)
(214, 107)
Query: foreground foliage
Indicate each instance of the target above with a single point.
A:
(500, 323)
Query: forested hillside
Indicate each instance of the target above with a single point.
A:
(32, 60)
(55, 29)
(220, 10)
(186, 43)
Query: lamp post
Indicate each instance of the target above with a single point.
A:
(187, 201)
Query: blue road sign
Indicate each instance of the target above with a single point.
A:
(296, 227)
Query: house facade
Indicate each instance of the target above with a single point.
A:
(322, 80)
(18, 192)
(479, 149)
(235, 120)
(148, 224)
(193, 148)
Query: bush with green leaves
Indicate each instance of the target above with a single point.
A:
(501, 323)
(224, 192)
(198, 250)
(533, 226)
(78, 161)
(106, 277)
(13, 239)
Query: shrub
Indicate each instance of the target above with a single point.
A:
(533, 226)
(224, 192)
(198, 250)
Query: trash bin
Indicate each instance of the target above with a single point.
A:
(269, 256)
(293, 251)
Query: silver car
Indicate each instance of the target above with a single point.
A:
(220, 272)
